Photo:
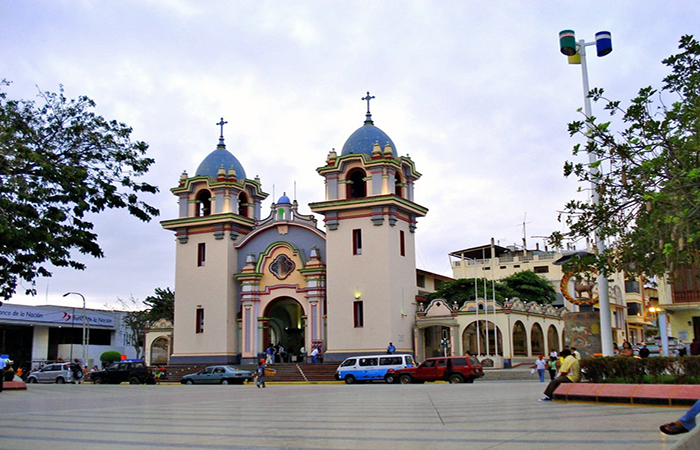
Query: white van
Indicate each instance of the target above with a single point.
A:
(372, 367)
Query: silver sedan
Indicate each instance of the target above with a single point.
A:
(218, 375)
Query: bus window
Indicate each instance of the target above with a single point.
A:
(368, 361)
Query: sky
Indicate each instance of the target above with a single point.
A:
(477, 93)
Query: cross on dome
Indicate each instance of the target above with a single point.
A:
(368, 116)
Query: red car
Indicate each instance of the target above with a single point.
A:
(455, 369)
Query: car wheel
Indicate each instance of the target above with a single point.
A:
(349, 379)
(456, 378)
(390, 379)
(134, 380)
(31, 380)
(405, 379)
(60, 380)
(97, 380)
(224, 381)
(189, 382)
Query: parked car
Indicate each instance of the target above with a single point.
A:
(56, 373)
(454, 369)
(218, 375)
(373, 367)
(133, 371)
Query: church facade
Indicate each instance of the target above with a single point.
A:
(244, 282)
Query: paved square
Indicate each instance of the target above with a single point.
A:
(483, 415)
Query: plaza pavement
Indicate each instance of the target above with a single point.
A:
(483, 415)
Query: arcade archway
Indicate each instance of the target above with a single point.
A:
(160, 351)
(479, 346)
(432, 338)
(537, 340)
(286, 324)
(519, 339)
(553, 339)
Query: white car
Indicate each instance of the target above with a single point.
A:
(55, 373)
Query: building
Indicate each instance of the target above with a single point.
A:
(33, 335)
(679, 301)
(244, 282)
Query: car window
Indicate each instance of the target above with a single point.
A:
(348, 362)
(139, 365)
(474, 361)
(459, 361)
(409, 360)
(442, 362)
(219, 370)
(47, 368)
(206, 371)
(368, 361)
(429, 363)
(122, 366)
(390, 361)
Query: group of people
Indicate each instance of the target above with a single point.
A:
(566, 363)
(278, 354)
(553, 364)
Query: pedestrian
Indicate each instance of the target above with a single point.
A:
(552, 366)
(569, 372)
(540, 365)
(281, 353)
(314, 354)
(260, 373)
(576, 354)
(626, 349)
(269, 355)
(644, 351)
(2, 371)
(553, 353)
(390, 349)
(684, 424)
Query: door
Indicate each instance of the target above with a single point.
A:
(696, 328)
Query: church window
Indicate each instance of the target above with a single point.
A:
(402, 242)
(282, 266)
(203, 204)
(243, 208)
(358, 314)
(200, 320)
(397, 185)
(201, 254)
(356, 242)
(357, 187)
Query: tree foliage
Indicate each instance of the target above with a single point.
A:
(161, 304)
(649, 179)
(526, 285)
(59, 161)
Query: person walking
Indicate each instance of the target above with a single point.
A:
(541, 366)
(569, 372)
(552, 367)
(260, 373)
(314, 355)
(684, 424)
(390, 349)
(269, 355)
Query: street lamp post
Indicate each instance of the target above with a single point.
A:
(576, 51)
(85, 325)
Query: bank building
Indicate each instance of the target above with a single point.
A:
(244, 281)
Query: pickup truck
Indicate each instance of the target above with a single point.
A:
(454, 369)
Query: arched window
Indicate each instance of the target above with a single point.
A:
(398, 189)
(537, 340)
(553, 339)
(519, 339)
(357, 187)
(243, 208)
(203, 204)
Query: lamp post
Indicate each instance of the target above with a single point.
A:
(576, 52)
(85, 324)
(661, 322)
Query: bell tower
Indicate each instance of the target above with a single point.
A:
(216, 206)
(370, 217)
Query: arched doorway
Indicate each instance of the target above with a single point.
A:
(432, 338)
(243, 209)
(475, 346)
(537, 340)
(357, 187)
(160, 351)
(286, 325)
(519, 339)
(553, 339)
(203, 204)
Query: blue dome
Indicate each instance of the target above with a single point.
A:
(363, 139)
(220, 157)
(284, 200)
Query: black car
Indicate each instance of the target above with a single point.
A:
(135, 372)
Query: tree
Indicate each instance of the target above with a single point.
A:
(136, 321)
(527, 285)
(161, 304)
(110, 356)
(650, 192)
(58, 162)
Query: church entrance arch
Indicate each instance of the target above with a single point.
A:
(159, 351)
(286, 324)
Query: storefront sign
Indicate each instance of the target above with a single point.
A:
(53, 314)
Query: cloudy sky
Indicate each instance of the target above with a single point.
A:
(476, 92)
